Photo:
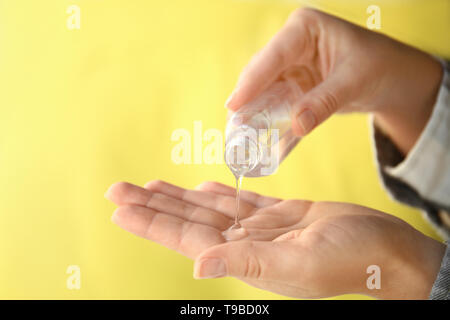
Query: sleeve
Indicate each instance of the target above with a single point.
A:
(422, 178)
(441, 287)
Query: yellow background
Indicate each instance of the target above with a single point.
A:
(81, 109)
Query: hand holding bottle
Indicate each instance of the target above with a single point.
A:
(344, 68)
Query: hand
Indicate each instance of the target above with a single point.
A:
(296, 248)
(343, 68)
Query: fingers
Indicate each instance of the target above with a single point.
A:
(253, 198)
(261, 260)
(123, 193)
(268, 234)
(293, 46)
(318, 104)
(291, 235)
(172, 232)
(283, 216)
(292, 43)
(205, 199)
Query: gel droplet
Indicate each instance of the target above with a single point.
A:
(235, 232)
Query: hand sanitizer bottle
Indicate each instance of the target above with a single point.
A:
(259, 135)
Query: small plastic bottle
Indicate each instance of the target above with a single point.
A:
(259, 135)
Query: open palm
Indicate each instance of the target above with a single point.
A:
(292, 247)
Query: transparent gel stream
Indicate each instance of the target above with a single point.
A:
(258, 138)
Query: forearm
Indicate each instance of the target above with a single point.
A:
(404, 124)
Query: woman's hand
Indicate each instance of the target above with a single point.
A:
(343, 68)
(296, 248)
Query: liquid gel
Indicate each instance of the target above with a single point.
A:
(258, 137)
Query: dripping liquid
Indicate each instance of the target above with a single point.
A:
(236, 231)
(236, 224)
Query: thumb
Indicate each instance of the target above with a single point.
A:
(316, 106)
(260, 260)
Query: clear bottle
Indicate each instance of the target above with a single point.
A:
(259, 135)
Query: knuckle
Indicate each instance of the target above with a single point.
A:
(189, 210)
(183, 240)
(329, 102)
(253, 267)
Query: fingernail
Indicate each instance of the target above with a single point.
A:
(106, 195)
(115, 217)
(306, 120)
(229, 99)
(211, 268)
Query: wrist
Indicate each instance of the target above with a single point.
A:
(411, 276)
